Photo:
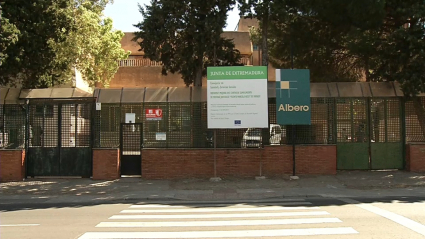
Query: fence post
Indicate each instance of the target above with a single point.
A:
(27, 135)
(403, 128)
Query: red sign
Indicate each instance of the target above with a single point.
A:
(153, 114)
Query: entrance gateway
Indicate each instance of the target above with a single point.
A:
(131, 148)
(59, 137)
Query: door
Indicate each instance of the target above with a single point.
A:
(352, 133)
(131, 148)
(60, 139)
(369, 134)
(386, 134)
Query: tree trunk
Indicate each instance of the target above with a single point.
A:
(420, 113)
(367, 74)
(198, 76)
(264, 46)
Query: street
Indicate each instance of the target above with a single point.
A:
(277, 218)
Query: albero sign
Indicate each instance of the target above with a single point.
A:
(293, 97)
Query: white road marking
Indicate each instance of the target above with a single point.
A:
(221, 223)
(282, 202)
(404, 221)
(228, 209)
(219, 234)
(19, 225)
(246, 215)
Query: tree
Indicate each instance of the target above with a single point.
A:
(382, 39)
(92, 46)
(29, 58)
(8, 36)
(330, 38)
(53, 37)
(260, 9)
(186, 36)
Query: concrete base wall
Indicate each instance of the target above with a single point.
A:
(415, 158)
(106, 164)
(12, 165)
(274, 161)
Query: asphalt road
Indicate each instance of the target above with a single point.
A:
(289, 218)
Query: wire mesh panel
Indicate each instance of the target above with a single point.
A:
(179, 125)
(386, 120)
(43, 119)
(155, 130)
(320, 131)
(13, 129)
(76, 125)
(352, 120)
(131, 146)
(131, 139)
(136, 109)
(413, 127)
(107, 126)
(3, 143)
(201, 137)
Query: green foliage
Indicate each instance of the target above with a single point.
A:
(348, 40)
(29, 59)
(259, 9)
(186, 35)
(8, 36)
(47, 39)
(92, 46)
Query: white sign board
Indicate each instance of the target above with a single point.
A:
(237, 97)
(130, 118)
(98, 106)
(161, 136)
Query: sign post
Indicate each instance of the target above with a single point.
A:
(293, 105)
(236, 98)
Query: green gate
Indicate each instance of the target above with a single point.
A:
(387, 146)
(369, 133)
(352, 133)
(59, 138)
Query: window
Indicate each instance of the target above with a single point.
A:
(255, 47)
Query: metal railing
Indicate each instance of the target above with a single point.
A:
(184, 125)
(147, 62)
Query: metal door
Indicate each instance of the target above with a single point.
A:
(60, 139)
(386, 134)
(131, 148)
(352, 133)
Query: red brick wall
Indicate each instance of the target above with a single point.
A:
(415, 158)
(316, 159)
(12, 165)
(106, 164)
(199, 163)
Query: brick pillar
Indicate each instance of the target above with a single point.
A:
(106, 164)
(12, 165)
(415, 158)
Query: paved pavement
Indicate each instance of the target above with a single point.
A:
(345, 184)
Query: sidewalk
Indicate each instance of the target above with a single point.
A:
(344, 184)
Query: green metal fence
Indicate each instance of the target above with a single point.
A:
(184, 125)
(360, 126)
(12, 127)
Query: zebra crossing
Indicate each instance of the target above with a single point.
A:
(294, 217)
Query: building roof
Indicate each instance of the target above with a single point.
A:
(241, 39)
(128, 44)
(195, 94)
(245, 24)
